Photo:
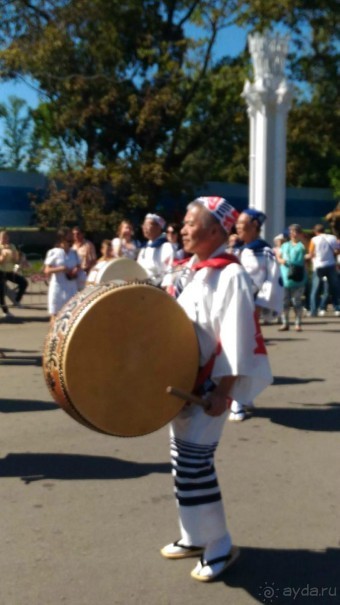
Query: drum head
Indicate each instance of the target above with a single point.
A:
(120, 268)
(123, 351)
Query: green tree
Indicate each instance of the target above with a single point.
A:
(17, 127)
(125, 80)
(79, 200)
(131, 91)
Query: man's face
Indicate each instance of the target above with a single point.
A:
(247, 229)
(77, 235)
(197, 239)
(151, 230)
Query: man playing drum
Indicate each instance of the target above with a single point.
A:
(216, 294)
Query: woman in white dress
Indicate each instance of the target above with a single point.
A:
(124, 244)
(62, 266)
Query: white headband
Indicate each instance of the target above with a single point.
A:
(156, 219)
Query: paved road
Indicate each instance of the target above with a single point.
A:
(83, 515)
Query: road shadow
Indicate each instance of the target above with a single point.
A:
(328, 331)
(36, 467)
(308, 418)
(286, 576)
(280, 380)
(15, 319)
(7, 350)
(21, 360)
(269, 340)
(14, 406)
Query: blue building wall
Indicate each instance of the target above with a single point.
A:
(15, 204)
(305, 206)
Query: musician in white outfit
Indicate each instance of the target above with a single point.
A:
(215, 292)
(157, 254)
(259, 260)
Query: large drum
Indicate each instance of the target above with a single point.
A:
(113, 351)
(117, 268)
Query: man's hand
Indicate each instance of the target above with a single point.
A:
(216, 404)
(218, 400)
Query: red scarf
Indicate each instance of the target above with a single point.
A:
(217, 262)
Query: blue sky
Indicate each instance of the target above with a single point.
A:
(231, 41)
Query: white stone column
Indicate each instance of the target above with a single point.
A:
(269, 100)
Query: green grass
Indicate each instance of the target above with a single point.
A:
(36, 263)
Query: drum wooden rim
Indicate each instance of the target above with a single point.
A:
(149, 344)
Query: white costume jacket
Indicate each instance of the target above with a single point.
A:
(220, 302)
(156, 258)
(259, 261)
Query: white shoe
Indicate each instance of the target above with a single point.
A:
(321, 313)
(206, 571)
(337, 314)
(180, 551)
(236, 416)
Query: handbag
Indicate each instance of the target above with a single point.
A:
(296, 272)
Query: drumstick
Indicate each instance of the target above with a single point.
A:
(188, 397)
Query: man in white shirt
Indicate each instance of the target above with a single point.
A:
(157, 254)
(215, 292)
(323, 249)
(260, 262)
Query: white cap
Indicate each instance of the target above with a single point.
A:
(156, 219)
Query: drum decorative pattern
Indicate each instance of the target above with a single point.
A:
(111, 353)
(56, 344)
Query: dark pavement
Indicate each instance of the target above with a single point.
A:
(83, 515)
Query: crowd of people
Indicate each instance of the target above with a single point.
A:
(308, 266)
(228, 280)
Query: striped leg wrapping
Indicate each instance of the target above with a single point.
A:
(194, 473)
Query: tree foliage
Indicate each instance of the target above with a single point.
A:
(16, 118)
(82, 199)
(133, 89)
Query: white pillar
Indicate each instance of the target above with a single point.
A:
(269, 99)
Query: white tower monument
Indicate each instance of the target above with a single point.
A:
(269, 100)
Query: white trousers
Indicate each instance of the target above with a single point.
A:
(194, 437)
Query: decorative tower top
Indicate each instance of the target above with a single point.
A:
(270, 87)
(269, 54)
